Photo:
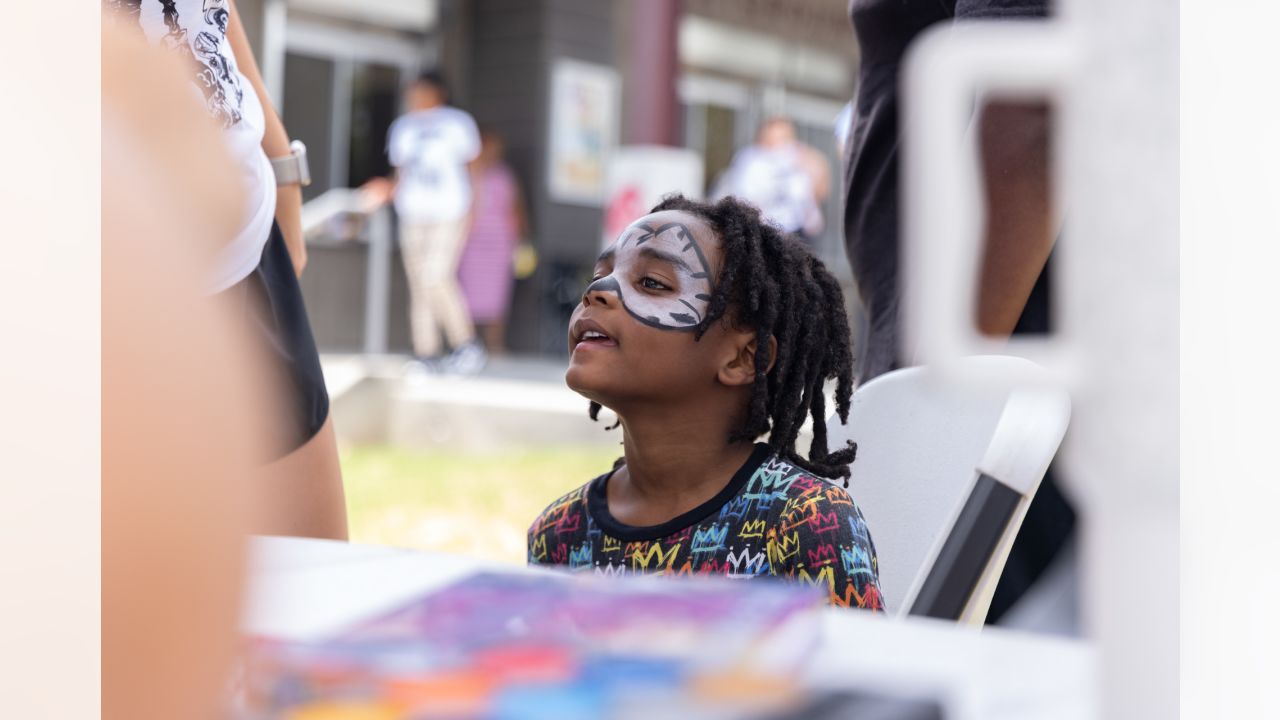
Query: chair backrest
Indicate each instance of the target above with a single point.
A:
(944, 473)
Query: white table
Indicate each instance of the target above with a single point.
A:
(306, 589)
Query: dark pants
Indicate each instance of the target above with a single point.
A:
(278, 319)
(1050, 519)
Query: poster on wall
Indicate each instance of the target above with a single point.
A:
(638, 177)
(584, 128)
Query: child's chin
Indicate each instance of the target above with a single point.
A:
(580, 381)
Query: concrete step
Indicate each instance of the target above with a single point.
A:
(513, 402)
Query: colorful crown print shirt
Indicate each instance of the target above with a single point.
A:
(773, 519)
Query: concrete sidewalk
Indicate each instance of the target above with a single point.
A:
(513, 401)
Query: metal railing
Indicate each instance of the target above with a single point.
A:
(318, 218)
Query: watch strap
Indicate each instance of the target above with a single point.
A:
(292, 168)
(287, 169)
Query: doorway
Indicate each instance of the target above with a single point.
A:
(341, 93)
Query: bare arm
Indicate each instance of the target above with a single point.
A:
(521, 214)
(275, 142)
(819, 172)
(474, 176)
(1021, 225)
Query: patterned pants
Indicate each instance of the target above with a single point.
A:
(431, 253)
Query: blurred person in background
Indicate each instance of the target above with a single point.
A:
(486, 271)
(1019, 233)
(260, 265)
(430, 147)
(186, 408)
(782, 176)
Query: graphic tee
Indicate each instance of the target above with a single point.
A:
(773, 519)
(431, 149)
(196, 31)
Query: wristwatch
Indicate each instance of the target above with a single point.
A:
(293, 168)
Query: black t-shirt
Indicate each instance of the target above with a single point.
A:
(772, 520)
(885, 28)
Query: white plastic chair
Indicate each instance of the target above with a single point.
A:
(944, 474)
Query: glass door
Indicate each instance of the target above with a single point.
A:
(310, 114)
(375, 103)
(341, 92)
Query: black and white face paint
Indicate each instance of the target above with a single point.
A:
(659, 275)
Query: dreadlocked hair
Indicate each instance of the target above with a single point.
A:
(772, 283)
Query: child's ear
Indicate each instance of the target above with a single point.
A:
(741, 368)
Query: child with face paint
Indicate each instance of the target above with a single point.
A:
(705, 329)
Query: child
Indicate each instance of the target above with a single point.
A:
(703, 329)
(485, 271)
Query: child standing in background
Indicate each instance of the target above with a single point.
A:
(704, 328)
(430, 146)
(485, 272)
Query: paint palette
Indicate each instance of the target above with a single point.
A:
(497, 645)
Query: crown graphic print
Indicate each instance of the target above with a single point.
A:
(773, 520)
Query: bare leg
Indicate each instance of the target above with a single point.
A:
(301, 493)
(495, 336)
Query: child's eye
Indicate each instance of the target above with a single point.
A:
(649, 283)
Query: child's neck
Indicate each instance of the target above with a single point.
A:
(675, 462)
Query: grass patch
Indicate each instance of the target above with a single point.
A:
(476, 504)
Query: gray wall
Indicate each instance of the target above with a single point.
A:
(513, 44)
(497, 55)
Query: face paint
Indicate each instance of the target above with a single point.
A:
(659, 275)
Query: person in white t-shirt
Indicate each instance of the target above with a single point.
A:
(430, 147)
(783, 177)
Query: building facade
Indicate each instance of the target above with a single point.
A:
(698, 74)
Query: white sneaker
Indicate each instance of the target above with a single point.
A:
(467, 360)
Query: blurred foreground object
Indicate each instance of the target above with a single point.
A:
(671, 660)
(258, 266)
(1017, 226)
(180, 411)
(1112, 67)
(540, 645)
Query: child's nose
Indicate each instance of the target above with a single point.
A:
(604, 291)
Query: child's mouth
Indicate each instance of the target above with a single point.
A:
(593, 338)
